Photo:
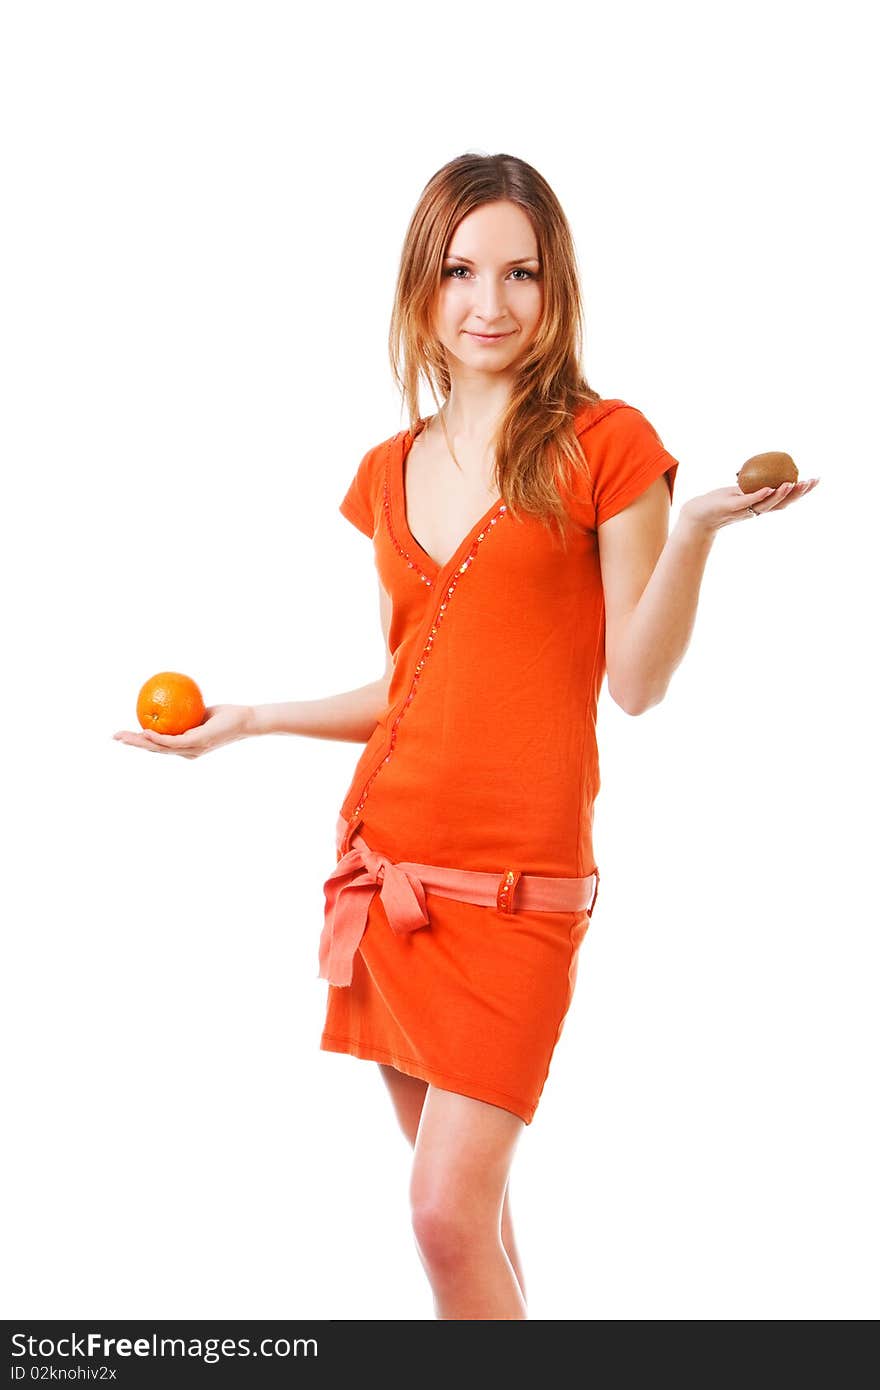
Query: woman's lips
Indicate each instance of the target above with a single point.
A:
(489, 337)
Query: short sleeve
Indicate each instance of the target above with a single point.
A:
(359, 505)
(625, 454)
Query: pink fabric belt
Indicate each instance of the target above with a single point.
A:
(361, 872)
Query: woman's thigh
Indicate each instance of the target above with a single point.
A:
(463, 1153)
(408, 1095)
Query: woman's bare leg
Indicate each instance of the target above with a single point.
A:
(461, 1162)
(408, 1095)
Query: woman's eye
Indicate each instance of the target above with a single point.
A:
(452, 272)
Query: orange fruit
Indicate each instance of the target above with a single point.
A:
(170, 703)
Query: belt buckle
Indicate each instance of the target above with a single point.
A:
(507, 889)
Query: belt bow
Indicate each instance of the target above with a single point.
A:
(347, 895)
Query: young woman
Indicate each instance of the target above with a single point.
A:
(521, 537)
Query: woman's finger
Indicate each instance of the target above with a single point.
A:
(156, 743)
(778, 496)
(792, 493)
(170, 743)
(799, 490)
(749, 501)
(137, 740)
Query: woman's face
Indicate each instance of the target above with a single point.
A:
(491, 285)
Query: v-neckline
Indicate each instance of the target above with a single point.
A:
(428, 562)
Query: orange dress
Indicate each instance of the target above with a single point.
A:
(484, 759)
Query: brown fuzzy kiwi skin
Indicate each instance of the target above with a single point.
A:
(766, 470)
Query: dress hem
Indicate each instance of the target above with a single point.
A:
(464, 1086)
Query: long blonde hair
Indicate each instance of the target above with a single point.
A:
(535, 442)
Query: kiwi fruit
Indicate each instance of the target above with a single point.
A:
(766, 470)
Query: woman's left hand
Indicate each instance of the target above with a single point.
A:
(715, 509)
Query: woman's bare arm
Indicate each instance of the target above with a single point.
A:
(350, 717)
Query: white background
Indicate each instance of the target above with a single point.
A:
(204, 210)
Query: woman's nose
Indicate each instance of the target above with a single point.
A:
(490, 304)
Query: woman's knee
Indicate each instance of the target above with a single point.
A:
(455, 1214)
(447, 1232)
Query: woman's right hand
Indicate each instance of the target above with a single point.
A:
(224, 724)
